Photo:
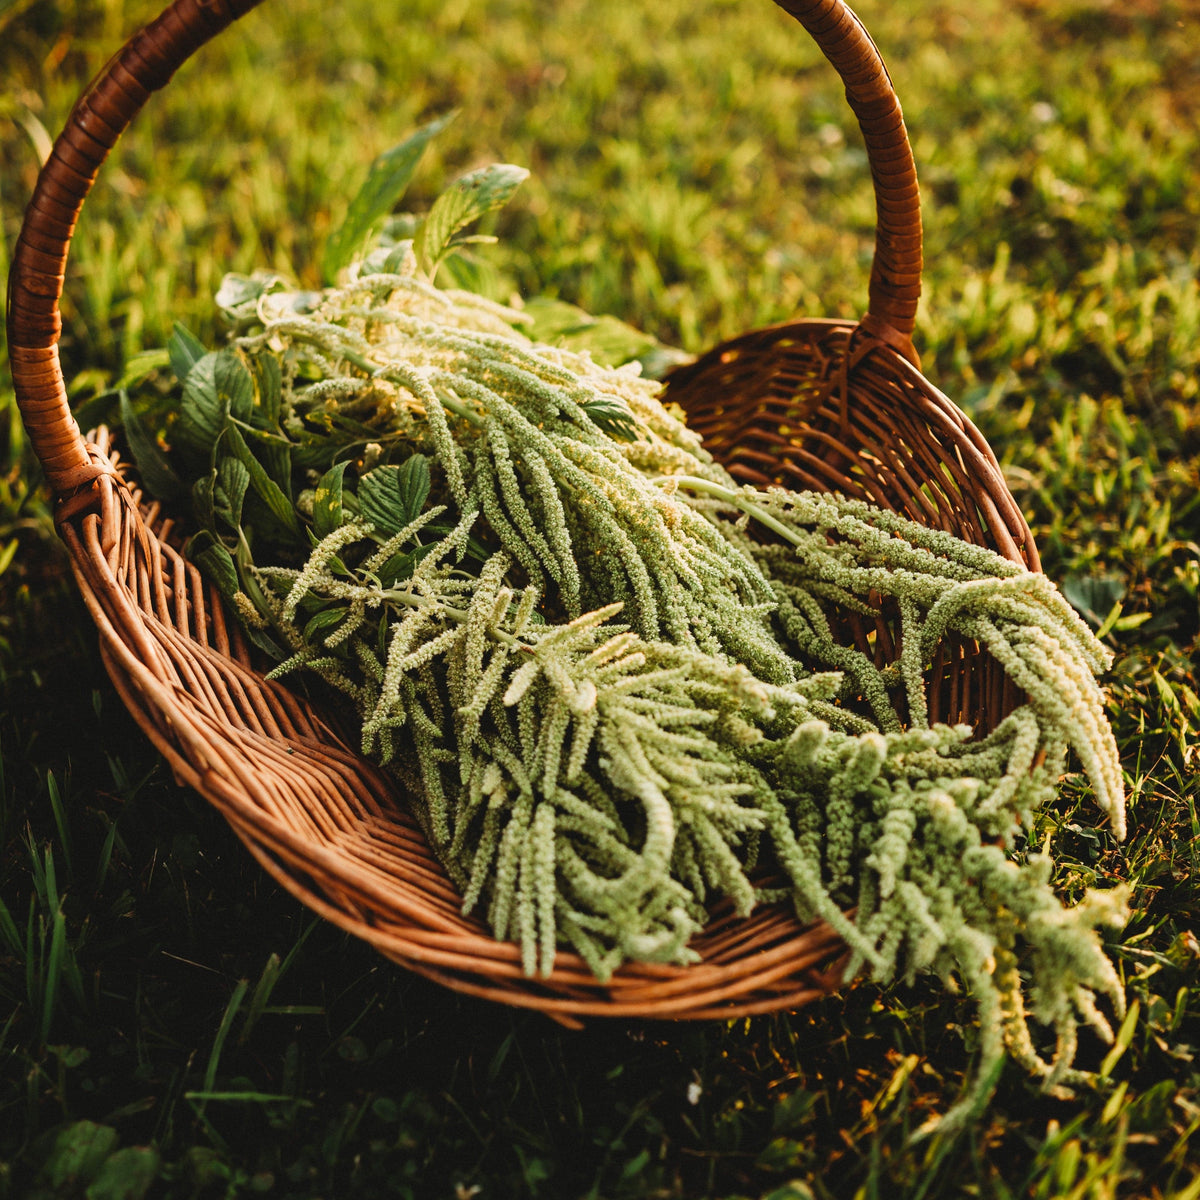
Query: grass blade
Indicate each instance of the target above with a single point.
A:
(8, 932)
(32, 991)
(50, 882)
(262, 993)
(214, 1058)
(105, 859)
(247, 1098)
(1123, 1039)
(53, 973)
(60, 820)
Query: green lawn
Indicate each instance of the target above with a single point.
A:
(172, 1024)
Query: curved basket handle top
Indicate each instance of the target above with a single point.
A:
(895, 285)
(151, 57)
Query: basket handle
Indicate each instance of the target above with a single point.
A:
(149, 59)
(895, 284)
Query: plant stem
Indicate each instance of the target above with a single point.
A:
(412, 600)
(365, 364)
(735, 498)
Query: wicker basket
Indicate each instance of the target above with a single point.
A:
(835, 405)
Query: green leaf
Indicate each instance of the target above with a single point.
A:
(239, 291)
(395, 257)
(235, 383)
(326, 621)
(202, 416)
(277, 459)
(7, 553)
(204, 500)
(466, 200)
(392, 497)
(397, 568)
(793, 1111)
(794, 1189)
(316, 451)
(401, 565)
(70, 1056)
(184, 350)
(608, 340)
(78, 1153)
(264, 486)
(275, 454)
(268, 375)
(139, 365)
(1122, 1041)
(327, 503)
(232, 479)
(216, 386)
(250, 587)
(126, 1175)
(214, 1055)
(153, 467)
(215, 561)
(1093, 596)
(474, 549)
(8, 929)
(385, 184)
(611, 415)
(470, 273)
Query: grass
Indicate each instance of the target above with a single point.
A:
(171, 1024)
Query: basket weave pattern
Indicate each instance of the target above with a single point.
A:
(832, 405)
